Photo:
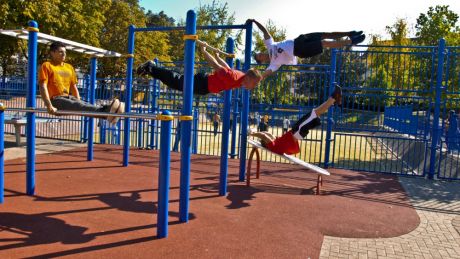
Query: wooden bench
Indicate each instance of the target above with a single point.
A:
(255, 150)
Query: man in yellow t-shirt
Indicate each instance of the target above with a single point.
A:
(58, 87)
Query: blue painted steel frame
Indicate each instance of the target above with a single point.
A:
(186, 125)
(245, 110)
(129, 83)
(31, 103)
(437, 108)
(226, 128)
(329, 112)
(92, 100)
(2, 155)
(163, 177)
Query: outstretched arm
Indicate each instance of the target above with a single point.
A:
(262, 28)
(46, 99)
(221, 61)
(209, 58)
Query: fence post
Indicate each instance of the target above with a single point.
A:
(437, 107)
(195, 131)
(332, 75)
(2, 152)
(92, 100)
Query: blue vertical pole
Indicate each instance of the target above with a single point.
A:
(2, 153)
(129, 84)
(92, 100)
(195, 132)
(439, 88)
(163, 175)
(245, 110)
(31, 103)
(186, 125)
(332, 74)
(236, 98)
(155, 84)
(226, 128)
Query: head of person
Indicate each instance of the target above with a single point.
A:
(57, 52)
(262, 58)
(251, 79)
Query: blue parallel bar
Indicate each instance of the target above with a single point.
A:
(2, 153)
(245, 110)
(154, 86)
(205, 27)
(435, 138)
(226, 128)
(186, 125)
(92, 100)
(129, 86)
(163, 177)
(236, 99)
(329, 112)
(31, 103)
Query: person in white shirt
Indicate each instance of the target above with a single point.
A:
(304, 46)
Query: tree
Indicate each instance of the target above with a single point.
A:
(439, 22)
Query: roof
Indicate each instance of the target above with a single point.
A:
(70, 45)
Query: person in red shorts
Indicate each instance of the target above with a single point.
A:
(288, 143)
(221, 79)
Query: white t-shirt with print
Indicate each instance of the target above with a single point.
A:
(281, 53)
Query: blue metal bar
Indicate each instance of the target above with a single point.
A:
(205, 27)
(186, 126)
(332, 77)
(129, 86)
(226, 127)
(31, 103)
(163, 177)
(92, 100)
(435, 138)
(2, 153)
(236, 100)
(155, 89)
(245, 110)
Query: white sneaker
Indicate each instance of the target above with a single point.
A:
(113, 109)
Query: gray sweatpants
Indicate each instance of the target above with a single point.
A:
(71, 103)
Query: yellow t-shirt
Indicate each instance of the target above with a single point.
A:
(57, 78)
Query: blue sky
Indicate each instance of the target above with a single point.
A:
(303, 16)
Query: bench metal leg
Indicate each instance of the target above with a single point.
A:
(248, 172)
(17, 132)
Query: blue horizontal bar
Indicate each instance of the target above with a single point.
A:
(206, 27)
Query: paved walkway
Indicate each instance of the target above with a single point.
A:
(438, 235)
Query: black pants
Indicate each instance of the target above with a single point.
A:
(306, 123)
(71, 103)
(175, 80)
(308, 45)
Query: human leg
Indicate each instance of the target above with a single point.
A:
(71, 103)
(311, 120)
(168, 77)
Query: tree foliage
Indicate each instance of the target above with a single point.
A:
(438, 22)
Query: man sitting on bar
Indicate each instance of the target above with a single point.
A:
(58, 87)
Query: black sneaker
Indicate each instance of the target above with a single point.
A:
(337, 95)
(144, 68)
(354, 33)
(357, 39)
